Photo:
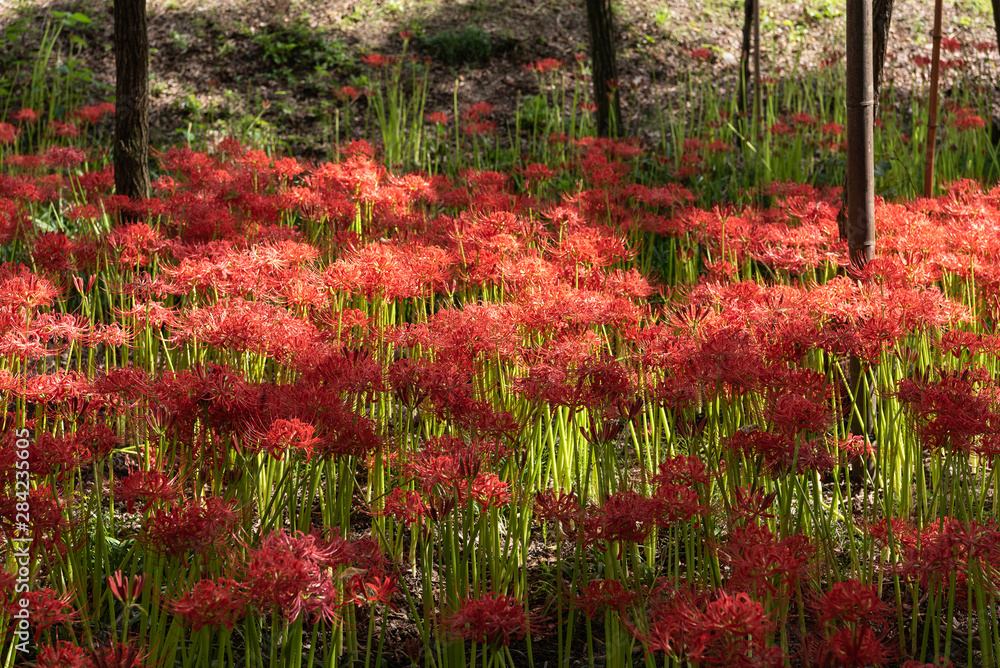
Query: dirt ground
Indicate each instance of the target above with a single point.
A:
(211, 71)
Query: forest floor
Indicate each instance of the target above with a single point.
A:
(215, 63)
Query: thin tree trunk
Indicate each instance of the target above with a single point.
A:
(932, 104)
(602, 53)
(131, 150)
(996, 20)
(861, 180)
(881, 21)
(758, 94)
(748, 13)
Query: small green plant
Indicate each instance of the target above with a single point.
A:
(467, 46)
(298, 46)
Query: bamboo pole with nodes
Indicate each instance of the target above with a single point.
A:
(932, 112)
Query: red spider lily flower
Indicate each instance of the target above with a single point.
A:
(478, 111)
(762, 563)
(347, 93)
(438, 118)
(95, 113)
(47, 609)
(376, 60)
(853, 647)
(8, 133)
(63, 654)
(986, 47)
(285, 434)
(730, 631)
(955, 412)
(563, 507)
(969, 122)
(803, 118)
(544, 66)
(701, 54)
(295, 574)
(719, 146)
(377, 589)
(21, 288)
(148, 485)
(25, 115)
(406, 35)
(63, 129)
(489, 491)
(493, 618)
(124, 588)
(118, 655)
(405, 506)
(852, 602)
(832, 129)
(536, 173)
(219, 603)
(951, 44)
(951, 547)
(601, 594)
(198, 527)
(63, 156)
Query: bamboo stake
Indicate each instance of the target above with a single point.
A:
(757, 94)
(860, 134)
(933, 103)
(860, 176)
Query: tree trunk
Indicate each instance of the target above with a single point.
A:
(932, 103)
(860, 180)
(996, 20)
(131, 151)
(881, 19)
(602, 53)
(748, 13)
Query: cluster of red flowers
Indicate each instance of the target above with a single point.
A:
(460, 345)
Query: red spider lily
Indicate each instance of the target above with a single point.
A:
(563, 507)
(625, 517)
(216, 603)
(492, 618)
(601, 594)
(59, 129)
(949, 548)
(296, 574)
(124, 588)
(285, 434)
(21, 288)
(701, 54)
(377, 61)
(94, 113)
(198, 527)
(544, 66)
(118, 655)
(731, 630)
(852, 602)
(488, 490)
(63, 654)
(406, 506)
(25, 115)
(752, 504)
(8, 133)
(954, 412)
(762, 563)
(47, 609)
(377, 589)
(438, 118)
(854, 648)
(48, 524)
